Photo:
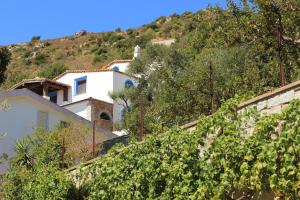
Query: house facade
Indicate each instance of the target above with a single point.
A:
(79, 96)
(25, 111)
(87, 92)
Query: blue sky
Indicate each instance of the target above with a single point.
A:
(20, 19)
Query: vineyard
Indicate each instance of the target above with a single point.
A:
(227, 156)
(223, 158)
(219, 53)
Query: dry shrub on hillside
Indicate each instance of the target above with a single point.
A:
(79, 142)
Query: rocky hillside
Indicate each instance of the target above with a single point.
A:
(87, 50)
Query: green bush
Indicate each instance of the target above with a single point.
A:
(35, 38)
(118, 30)
(35, 171)
(217, 161)
(27, 53)
(114, 38)
(14, 78)
(99, 58)
(40, 58)
(53, 70)
(99, 50)
(45, 182)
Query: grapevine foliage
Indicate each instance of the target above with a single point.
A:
(230, 154)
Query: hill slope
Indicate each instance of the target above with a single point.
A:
(87, 50)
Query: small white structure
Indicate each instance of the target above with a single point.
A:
(137, 51)
(26, 111)
(166, 42)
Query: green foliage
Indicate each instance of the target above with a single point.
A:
(13, 79)
(35, 170)
(118, 30)
(5, 57)
(114, 38)
(40, 58)
(218, 160)
(238, 42)
(35, 38)
(53, 70)
(222, 159)
(27, 53)
(99, 58)
(229, 155)
(44, 182)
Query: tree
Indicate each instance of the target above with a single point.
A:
(35, 171)
(5, 57)
(156, 72)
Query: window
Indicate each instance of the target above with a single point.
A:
(105, 116)
(42, 119)
(80, 85)
(116, 68)
(129, 83)
(123, 112)
(53, 97)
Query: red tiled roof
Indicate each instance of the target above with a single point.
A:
(103, 69)
(114, 62)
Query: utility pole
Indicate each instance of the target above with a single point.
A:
(141, 116)
(280, 54)
(94, 138)
(211, 88)
(63, 154)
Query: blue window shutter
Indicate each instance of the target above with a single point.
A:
(75, 87)
(76, 83)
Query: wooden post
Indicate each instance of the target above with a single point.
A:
(63, 154)
(211, 89)
(279, 50)
(66, 95)
(45, 90)
(94, 138)
(141, 117)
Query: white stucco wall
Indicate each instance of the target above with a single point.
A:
(60, 97)
(20, 119)
(97, 86)
(83, 109)
(119, 84)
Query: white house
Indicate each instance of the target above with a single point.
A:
(26, 111)
(88, 94)
(80, 96)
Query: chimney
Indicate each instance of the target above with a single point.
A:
(137, 51)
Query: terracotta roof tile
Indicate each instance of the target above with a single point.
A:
(102, 69)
